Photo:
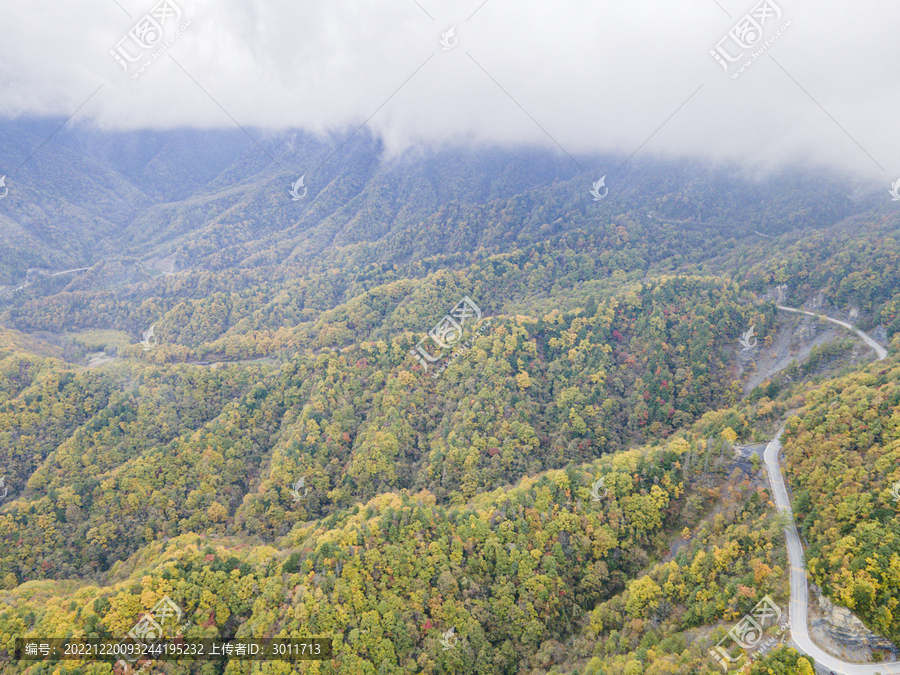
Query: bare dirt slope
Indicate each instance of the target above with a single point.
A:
(796, 338)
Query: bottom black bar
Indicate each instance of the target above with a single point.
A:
(132, 651)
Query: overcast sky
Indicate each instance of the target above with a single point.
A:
(581, 75)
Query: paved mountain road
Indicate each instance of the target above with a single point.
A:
(799, 590)
(881, 351)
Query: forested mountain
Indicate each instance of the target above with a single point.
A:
(217, 200)
(458, 492)
(844, 450)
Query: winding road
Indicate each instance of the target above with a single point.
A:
(799, 591)
(881, 351)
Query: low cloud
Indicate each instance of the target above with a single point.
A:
(580, 76)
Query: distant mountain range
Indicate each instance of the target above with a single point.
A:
(219, 199)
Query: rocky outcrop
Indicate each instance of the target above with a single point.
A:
(838, 631)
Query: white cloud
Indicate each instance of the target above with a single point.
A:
(597, 75)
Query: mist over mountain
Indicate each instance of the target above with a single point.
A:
(96, 196)
(587, 77)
